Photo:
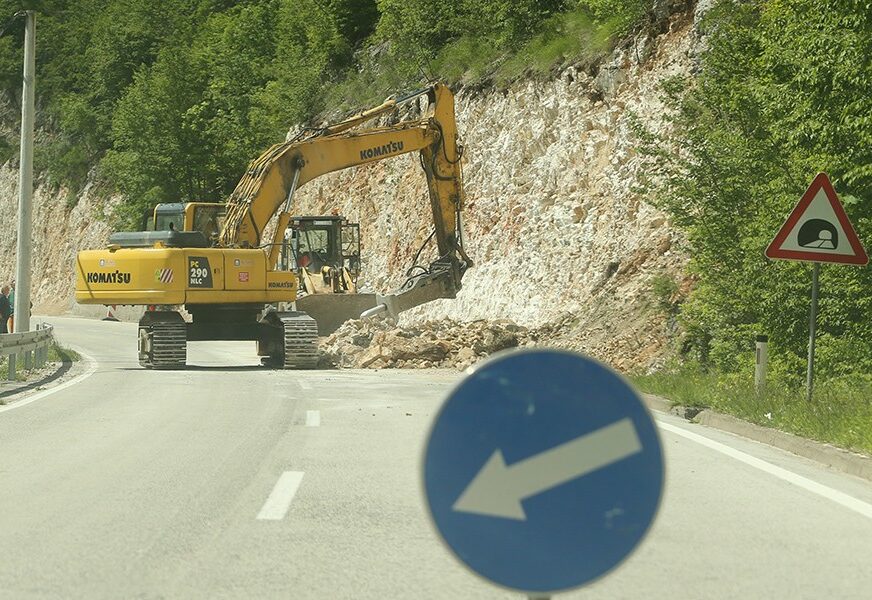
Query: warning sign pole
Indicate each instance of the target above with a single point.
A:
(817, 230)
(809, 381)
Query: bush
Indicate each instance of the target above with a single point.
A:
(769, 110)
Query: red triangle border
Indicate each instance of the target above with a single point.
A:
(774, 250)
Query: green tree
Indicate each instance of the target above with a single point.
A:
(355, 19)
(422, 26)
(158, 154)
(310, 50)
(237, 50)
(785, 91)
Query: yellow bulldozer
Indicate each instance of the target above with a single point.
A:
(212, 258)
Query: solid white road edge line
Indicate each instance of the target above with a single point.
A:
(814, 487)
(313, 418)
(92, 368)
(276, 506)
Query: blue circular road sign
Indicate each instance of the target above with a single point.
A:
(543, 470)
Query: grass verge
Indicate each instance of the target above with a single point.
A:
(840, 412)
(56, 353)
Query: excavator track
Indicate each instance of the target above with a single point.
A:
(169, 346)
(300, 342)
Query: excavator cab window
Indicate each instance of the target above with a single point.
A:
(316, 242)
(203, 217)
(316, 246)
(169, 217)
(209, 219)
(288, 255)
(169, 222)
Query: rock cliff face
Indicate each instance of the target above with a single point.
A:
(62, 225)
(551, 219)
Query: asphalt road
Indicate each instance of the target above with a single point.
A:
(144, 484)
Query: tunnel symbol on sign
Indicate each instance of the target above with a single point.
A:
(817, 233)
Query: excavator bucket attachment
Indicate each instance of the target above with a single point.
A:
(332, 310)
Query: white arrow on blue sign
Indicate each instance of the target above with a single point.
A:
(543, 470)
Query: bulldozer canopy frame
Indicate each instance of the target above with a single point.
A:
(314, 242)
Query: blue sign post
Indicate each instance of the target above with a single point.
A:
(543, 470)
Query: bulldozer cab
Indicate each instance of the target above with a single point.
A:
(313, 243)
(205, 217)
(324, 252)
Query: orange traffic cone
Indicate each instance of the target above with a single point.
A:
(111, 315)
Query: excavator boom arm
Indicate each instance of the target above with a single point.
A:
(274, 177)
(265, 187)
(271, 178)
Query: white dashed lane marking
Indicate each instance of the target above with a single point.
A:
(279, 502)
(313, 418)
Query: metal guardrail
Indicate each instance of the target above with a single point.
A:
(32, 344)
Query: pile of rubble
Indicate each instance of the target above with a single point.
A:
(379, 344)
(449, 344)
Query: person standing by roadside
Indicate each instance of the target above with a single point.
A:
(5, 308)
(10, 322)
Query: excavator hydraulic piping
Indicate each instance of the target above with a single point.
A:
(290, 198)
(412, 95)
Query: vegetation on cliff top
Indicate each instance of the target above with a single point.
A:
(172, 98)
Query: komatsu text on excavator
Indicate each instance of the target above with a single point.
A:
(212, 258)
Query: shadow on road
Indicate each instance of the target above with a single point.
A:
(216, 368)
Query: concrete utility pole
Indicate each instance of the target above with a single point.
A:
(25, 179)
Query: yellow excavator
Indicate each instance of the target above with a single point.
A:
(323, 252)
(212, 258)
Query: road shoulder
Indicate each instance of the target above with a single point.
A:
(52, 375)
(836, 458)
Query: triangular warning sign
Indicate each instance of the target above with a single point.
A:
(818, 229)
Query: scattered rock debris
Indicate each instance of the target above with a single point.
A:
(450, 344)
(444, 343)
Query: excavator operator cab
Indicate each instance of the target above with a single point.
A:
(176, 225)
(313, 243)
(205, 217)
